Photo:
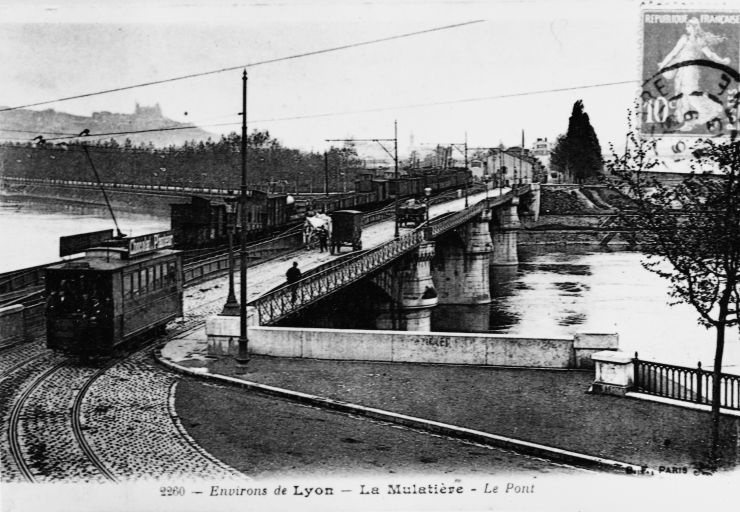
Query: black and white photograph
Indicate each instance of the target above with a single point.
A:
(369, 255)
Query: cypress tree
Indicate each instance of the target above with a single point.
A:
(578, 152)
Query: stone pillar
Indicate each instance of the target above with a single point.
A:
(534, 205)
(413, 293)
(504, 234)
(222, 332)
(462, 272)
(615, 373)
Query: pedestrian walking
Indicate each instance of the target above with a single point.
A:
(323, 237)
(293, 275)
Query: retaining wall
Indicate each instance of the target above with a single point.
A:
(414, 347)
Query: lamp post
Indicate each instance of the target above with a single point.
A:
(427, 194)
(243, 356)
(231, 308)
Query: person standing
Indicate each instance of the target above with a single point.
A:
(323, 237)
(293, 275)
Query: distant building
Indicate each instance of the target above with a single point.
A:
(512, 165)
(541, 150)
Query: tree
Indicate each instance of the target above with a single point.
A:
(558, 158)
(578, 152)
(692, 235)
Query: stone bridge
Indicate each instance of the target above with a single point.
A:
(445, 260)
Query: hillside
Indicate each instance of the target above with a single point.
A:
(15, 123)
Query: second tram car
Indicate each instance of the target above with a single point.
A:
(112, 295)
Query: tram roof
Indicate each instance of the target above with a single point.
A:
(113, 260)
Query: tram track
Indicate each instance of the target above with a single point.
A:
(77, 428)
(14, 419)
(43, 444)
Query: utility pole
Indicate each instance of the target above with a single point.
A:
(464, 151)
(395, 159)
(326, 174)
(243, 356)
(393, 155)
(466, 169)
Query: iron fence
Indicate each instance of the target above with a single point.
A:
(685, 383)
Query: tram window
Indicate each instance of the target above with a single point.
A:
(157, 273)
(126, 286)
(134, 283)
(142, 279)
(150, 277)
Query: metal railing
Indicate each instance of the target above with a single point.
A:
(285, 300)
(218, 265)
(685, 383)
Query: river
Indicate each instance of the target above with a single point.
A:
(30, 228)
(552, 292)
(559, 291)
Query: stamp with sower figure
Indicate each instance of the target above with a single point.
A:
(690, 73)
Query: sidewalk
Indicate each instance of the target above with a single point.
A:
(542, 412)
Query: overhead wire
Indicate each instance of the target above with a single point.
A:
(248, 65)
(67, 136)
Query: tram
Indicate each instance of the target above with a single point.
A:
(116, 293)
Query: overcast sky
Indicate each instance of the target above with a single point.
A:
(53, 50)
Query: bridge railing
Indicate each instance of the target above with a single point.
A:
(218, 265)
(279, 303)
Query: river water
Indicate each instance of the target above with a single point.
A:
(30, 229)
(552, 292)
(560, 291)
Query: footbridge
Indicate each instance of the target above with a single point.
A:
(468, 234)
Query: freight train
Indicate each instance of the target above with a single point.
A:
(205, 222)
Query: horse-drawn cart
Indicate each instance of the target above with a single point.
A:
(346, 230)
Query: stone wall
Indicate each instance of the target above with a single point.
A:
(414, 347)
(153, 203)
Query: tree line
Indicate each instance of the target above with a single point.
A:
(208, 164)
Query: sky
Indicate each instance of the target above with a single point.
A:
(482, 80)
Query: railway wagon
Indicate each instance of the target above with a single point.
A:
(97, 304)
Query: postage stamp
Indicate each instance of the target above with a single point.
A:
(690, 79)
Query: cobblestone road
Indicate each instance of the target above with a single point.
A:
(126, 416)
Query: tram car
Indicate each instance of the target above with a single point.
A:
(99, 303)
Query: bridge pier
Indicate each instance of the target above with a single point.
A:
(412, 290)
(460, 269)
(504, 234)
